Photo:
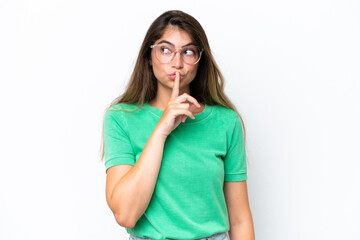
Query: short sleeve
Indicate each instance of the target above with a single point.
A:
(118, 148)
(235, 158)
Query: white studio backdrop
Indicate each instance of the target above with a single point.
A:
(291, 68)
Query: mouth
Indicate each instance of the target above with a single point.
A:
(173, 75)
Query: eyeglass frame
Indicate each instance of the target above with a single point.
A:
(177, 50)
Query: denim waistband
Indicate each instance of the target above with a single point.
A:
(216, 236)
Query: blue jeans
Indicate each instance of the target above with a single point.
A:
(217, 236)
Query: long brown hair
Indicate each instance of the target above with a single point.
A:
(207, 86)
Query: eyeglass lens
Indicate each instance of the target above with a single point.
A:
(165, 53)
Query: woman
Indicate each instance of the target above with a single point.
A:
(174, 144)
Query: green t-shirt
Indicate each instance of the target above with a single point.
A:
(199, 155)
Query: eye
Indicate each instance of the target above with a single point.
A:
(165, 50)
(191, 51)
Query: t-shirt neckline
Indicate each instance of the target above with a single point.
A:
(200, 116)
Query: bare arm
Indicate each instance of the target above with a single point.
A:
(129, 188)
(241, 223)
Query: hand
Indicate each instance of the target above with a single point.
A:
(177, 109)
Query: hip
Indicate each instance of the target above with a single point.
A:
(217, 236)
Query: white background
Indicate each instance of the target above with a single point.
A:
(291, 68)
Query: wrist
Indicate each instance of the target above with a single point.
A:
(159, 134)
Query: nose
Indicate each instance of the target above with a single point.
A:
(177, 61)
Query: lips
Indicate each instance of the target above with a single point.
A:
(173, 75)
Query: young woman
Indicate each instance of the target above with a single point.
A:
(173, 142)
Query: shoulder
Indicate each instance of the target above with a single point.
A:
(117, 112)
(120, 108)
(224, 112)
(123, 106)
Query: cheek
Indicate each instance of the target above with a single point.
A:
(156, 67)
(193, 72)
(158, 71)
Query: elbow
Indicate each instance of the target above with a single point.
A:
(125, 215)
(124, 221)
(123, 218)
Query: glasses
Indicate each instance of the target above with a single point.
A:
(165, 53)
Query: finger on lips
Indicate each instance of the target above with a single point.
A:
(175, 91)
(175, 94)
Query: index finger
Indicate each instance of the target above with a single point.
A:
(175, 91)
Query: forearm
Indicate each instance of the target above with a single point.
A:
(242, 231)
(132, 194)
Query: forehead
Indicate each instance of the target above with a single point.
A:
(176, 36)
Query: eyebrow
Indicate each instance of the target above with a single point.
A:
(164, 41)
